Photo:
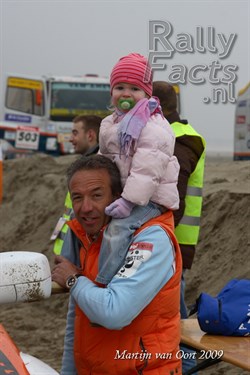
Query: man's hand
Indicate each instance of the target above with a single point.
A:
(63, 269)
(119, 209)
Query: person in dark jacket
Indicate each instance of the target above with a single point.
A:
(85, 134)
(190, 152)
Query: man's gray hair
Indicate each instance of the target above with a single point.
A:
(96, 162)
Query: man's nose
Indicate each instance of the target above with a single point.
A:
(86, 205)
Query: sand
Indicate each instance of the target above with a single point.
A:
(34, 192)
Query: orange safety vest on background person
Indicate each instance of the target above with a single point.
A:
(155, 330)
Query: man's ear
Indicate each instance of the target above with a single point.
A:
(91, 135)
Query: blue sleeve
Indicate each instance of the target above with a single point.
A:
(149, 264)
(68, 362)
(70, 248)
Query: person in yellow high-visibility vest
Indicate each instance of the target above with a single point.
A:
(85, 139)
(190, 152)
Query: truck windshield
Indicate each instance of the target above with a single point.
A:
(69, 99)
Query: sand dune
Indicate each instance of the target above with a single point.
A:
(34, 192)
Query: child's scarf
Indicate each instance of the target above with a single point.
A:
(133, 122)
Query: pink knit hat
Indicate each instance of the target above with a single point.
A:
(133, 69)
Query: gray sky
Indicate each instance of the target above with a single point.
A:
(75, 37)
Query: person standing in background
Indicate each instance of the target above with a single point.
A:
(85, 140)
(1, 173)
(85, 134)
(190, 152)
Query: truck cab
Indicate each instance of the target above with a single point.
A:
(38, 111)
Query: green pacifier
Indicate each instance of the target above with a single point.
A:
(126, 104)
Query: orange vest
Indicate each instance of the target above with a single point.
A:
(149, 344)
(10, 360)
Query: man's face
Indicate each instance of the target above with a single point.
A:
(80, 138)
(90, 192)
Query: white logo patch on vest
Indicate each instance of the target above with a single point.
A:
(138, 253)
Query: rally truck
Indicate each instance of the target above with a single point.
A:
(37, 112)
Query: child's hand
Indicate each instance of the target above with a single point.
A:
(119, 209)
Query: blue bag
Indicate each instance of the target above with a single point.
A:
(227, 314)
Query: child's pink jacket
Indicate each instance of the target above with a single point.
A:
(150, 172)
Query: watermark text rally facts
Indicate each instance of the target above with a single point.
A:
(163, 46)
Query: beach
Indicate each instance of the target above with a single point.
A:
(33, 198)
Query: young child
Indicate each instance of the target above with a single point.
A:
(141, 142)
